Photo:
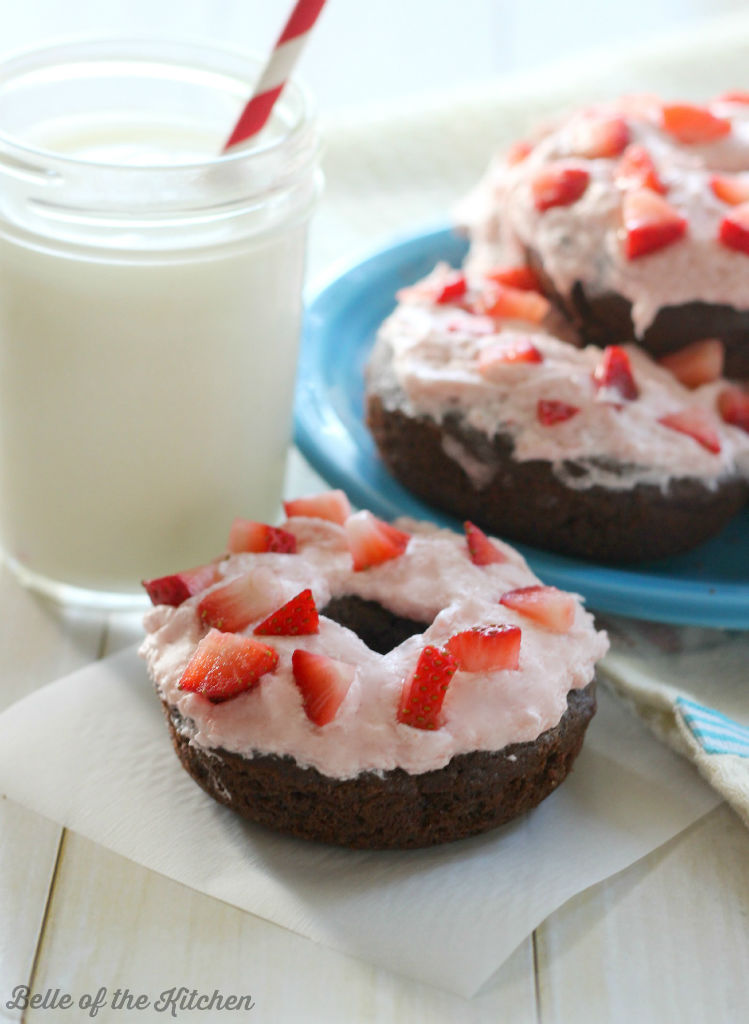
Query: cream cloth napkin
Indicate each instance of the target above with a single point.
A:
(691, 687)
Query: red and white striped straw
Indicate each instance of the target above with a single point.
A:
(276, 72)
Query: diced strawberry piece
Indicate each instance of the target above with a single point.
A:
(512, 303)
(331, 505)
(298, 616)
(734, 96)
(733, 406)
(697, 423)
(734, 229)
(486, 648)
(518, 151)
(225, 665)
(443, 286)
(692, 124)
(547, 606)
(246, 535)
(613, 376)
(599, 136)
(480, 548)
(637, 170)
(558, 184)
(496, 357)
(698, 363)
(179, 586)
(650, 223)
(731, 188)
(232, 607)
(423, 694)
(550, 411)
(323, 683)
(520, 277)
(372, 541)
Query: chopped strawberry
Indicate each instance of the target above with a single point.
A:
(443, 286)
(232, 607)
(372, 541)
(558, 184)
(519, 350)
(518, 151)
(650, 223)
(613, 376)
(246, 535)
(637, 170)
(508, 303)
(734, 229)
(733, 406)
(548, 606)
(550, 411)
(599, 135)
(323, 683)
(225, 665)
(520, 277)
(696, 422)
(734, 96)
(331, 505)
(698, 363)
(179, 586)
(480, 548)
(692, 124)
(423, 694)
(296, 617)
(731, 188)
(486, 648)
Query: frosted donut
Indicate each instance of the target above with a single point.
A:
(371, 685)
(599, 453)
(635, 216)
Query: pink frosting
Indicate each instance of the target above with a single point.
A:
(434, 581)
(582, 241)
(433, 352)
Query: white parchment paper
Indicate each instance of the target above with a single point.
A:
(92, 752)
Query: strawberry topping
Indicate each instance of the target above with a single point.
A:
(175, 589)
(331, 505)
(613, 376)
(550, 411)
(496, 357)
(698, 363)
(480, 548)
(600, 135)
(423, 694)
(520, 277)
(225, 665)
(637, 170)
(518, 151)
(734, 96)
(692, 124)
(509, 303)
(731, 188)
(696, 423)
(733, 406)
(650, 223)
(443, 286)
(323, 683)
(558, 184)
(373, 541)
(298, 616)
(547, 606)
(232, 607)
(486, 648)
(734, 229)
(246, 535)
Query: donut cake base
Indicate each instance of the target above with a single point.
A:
(641, 523)
(473, 793)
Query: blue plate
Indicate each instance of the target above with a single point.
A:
(707, 587)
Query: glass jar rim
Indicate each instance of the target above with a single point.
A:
(154, 50)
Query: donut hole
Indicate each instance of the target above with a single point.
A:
(379, 628)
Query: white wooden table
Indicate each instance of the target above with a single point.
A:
(665, 941)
